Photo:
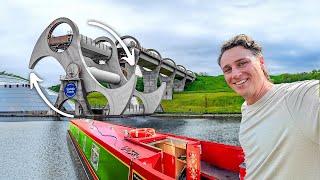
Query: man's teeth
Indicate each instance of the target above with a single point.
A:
(241, 82)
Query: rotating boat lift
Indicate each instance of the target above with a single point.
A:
(87, 62)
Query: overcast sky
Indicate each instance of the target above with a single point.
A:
(189, 32)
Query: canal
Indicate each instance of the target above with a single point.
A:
(37, 148)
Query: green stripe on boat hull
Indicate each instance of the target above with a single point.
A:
(107, 166)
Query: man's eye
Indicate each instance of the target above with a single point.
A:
(227, 70)
(241, 64)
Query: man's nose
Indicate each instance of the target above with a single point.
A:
(236, 73)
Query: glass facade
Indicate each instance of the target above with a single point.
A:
(16, 96)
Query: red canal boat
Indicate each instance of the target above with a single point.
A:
(110, 151)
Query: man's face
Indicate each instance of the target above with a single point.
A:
(243, 71)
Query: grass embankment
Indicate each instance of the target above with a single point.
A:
(12, 75)
(207, 94)
(203, 102)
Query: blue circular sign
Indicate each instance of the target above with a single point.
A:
(70, 90)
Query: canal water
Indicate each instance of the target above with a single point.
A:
(37, 148)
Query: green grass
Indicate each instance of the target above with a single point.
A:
(139, 85)
(97, 99)
(208, 84)
(55, 88)
(218, 84)
(287, 78)
(199, 102)
(12, 75)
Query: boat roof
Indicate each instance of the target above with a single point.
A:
(113, 138)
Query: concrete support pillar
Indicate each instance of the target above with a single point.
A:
(81, 106)
(178, 85)
(128, 70)
(169, 88)
(150, 79)
(106, 110)
(78, 109)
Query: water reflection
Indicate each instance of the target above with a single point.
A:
(34, 148)
(224, 131)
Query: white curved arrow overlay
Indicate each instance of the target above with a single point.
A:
(34, 79)
(130, 56)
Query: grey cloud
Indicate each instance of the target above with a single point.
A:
(190, 32)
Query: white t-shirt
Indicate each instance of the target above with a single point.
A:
(280, 133)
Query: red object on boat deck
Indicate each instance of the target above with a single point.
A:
(242, 172)
(142, 132)
(221, 155)
(193, 160)
(169, 165)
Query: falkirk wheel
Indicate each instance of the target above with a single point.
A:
(88, 62)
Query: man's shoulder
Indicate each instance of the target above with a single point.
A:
(301, 91)
(303, 104)
(299, 85)
(290, 92)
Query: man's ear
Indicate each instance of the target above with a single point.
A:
(261, 60)
(263, 67)
(262, 64)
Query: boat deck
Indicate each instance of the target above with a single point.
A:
(209, 171)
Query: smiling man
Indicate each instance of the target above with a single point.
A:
(280, 126)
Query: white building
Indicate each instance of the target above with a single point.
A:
(16, 97)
